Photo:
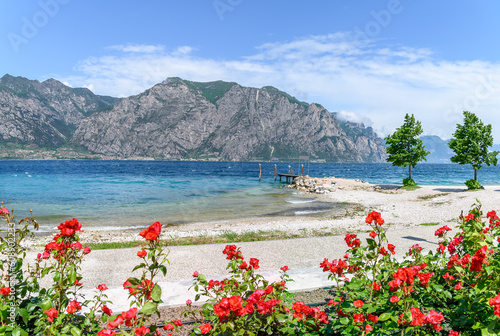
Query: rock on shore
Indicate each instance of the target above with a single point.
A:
(327, 185)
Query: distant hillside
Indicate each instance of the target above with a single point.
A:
(440, 152)
(180, 119)
(46, 114)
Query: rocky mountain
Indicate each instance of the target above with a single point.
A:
(179, 119)
(440, 152)
(46, 113)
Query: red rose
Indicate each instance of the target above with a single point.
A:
(391, 248)
(358, 303)
(417, 317)
(205, 328)
(106, 332)
(373, 318)
(51, 314)
(394, 298)
(5, 290)
(358, 318)
(152, 232)
(284, 268)
(142, 253)
(116, 322)
(254, 262)
(102, 287)
(168, 326)
(141, 331)
(373, 234)
(434, 317)
(86, 250)
(73, 307)
(4, 211)
(106, 310)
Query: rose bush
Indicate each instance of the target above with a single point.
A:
(454, 290)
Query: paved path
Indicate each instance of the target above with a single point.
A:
(303, 256)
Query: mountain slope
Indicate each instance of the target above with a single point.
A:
(44, 113)
(180, 119)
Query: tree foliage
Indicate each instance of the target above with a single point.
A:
(404, 147)
(470, 143)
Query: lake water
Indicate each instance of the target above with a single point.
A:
(113, 194)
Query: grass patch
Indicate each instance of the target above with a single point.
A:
(356, 209)
(410, 188)
(116, 245)
(226, 237)
(427, 197)
(429, 224)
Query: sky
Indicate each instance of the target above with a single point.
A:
(371, 61)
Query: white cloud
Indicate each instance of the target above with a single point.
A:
(138, 48)
(371, 82)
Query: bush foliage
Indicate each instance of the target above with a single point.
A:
(453, 290)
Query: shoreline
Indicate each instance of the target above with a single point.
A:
(437, 204)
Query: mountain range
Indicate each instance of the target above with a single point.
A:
(181, 119)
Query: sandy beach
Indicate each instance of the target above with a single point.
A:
(404, 213)
(399, 207)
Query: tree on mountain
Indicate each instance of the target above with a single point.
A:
(470, 143)
(405, 148)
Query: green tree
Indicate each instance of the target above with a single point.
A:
(470, 143)
(404, 146)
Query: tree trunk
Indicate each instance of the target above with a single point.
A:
(409, 171)
(475, 175)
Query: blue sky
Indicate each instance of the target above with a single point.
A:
(371, 61)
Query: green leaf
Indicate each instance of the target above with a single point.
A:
(384, 317)
(72, 276)
(149, 308)
(138, 266)
(46, 305)
(281, 318)
(156, 293)
(134, 281)
(75, 331)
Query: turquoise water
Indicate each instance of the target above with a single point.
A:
(112, 194)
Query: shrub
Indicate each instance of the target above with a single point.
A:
(409, 182)
(473, 184)
(454, 290)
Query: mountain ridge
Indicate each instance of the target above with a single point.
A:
(181, 119)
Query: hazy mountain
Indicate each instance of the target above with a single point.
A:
(440, 152)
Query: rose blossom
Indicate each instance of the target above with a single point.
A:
(205, 328)
(51, 314)
(152, 232)
(102, 287)
(142, 253)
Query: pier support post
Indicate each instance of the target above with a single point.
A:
(275, 172)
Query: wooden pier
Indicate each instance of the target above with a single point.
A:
(289, 177)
